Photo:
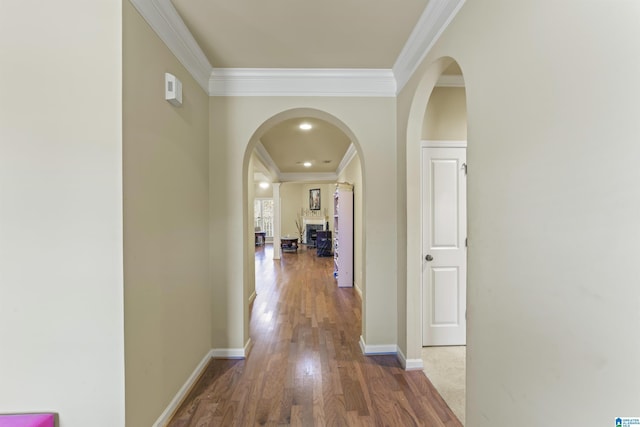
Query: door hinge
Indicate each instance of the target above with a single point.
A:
(464, 167)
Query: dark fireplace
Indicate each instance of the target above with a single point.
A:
(311, 233)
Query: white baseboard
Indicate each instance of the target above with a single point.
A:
(409, 364)
(377, 349)
(232, 353)
(228, 353)
(165, 417)
(252, 297)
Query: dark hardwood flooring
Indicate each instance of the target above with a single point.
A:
(305, 367)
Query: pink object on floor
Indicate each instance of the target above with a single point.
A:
(27, 420)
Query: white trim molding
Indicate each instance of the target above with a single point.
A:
(163, 18)
(391, 349)
(308, 177)
(436, 17)
(447, 80)
(166, 415)
(409, 364)
(253, 296)
(266, 159)
(432, 143)
(346, 159)
(302, 82)
(231, 353)
(370, 350)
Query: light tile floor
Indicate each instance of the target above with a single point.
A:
(445, 368)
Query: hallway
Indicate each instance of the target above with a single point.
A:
(305, 367)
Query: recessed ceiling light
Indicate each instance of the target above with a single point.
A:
(307, 164)
(305, 126)
(264, 185)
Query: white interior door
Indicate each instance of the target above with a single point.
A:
(444, 252)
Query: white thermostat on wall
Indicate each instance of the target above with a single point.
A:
(172, 89)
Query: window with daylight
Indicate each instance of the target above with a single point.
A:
(263, 216)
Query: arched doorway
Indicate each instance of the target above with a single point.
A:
(351, 170)
(436, 205)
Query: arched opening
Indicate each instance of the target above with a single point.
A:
(436, 205)
(288, 190)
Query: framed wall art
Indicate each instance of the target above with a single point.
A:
(314, 199)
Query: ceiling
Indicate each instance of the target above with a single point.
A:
(300, 33)
(305, 34)
(324, 146)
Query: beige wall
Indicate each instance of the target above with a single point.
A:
(445, 118)
(553, 208)
(289, 207)
(353, 175)
(61, 302)
(234, 121)
(166, 205)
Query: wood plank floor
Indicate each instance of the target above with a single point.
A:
(305, 367)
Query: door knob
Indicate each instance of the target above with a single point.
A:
(428, 257)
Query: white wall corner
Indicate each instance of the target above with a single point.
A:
(173, 406)
(169, 26)
(436, 17)
(370, 350)
(302, 82)
(409, 364)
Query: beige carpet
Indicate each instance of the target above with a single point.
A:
(445, 368)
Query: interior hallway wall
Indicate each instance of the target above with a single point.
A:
(61, 287)
(553, 208)
(445, 118)
(166, 225)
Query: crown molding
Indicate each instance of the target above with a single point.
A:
(261, 177)
(266, 159)
(302, 82)
(450, 81)
(163, 18)
(436, 17)
(346, 159)
(308, 177)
